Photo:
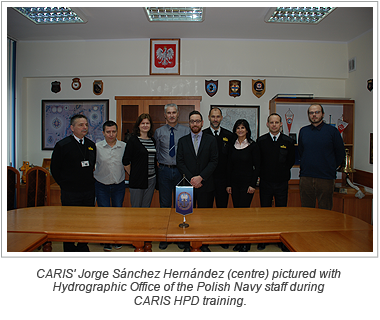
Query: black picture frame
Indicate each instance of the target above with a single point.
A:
(56, 116)
(231, 113)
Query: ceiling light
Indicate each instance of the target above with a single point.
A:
(52, 15)
(309, 15)
(193, 14)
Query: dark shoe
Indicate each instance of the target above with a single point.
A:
(117, 246)
(283, 247)
(187, 249)
(181, 245)
(261, 246)
(163, 245)
(225, 246)
(245, 248)
(205, 248)
(107, 247)
(237, 247)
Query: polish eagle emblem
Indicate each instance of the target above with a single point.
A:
(165, 56)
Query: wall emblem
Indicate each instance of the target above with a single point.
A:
(98, 87)
(55, 86)
(76, 84)
(258, 87)
(211, 87)
(235, 86)
(370, 84)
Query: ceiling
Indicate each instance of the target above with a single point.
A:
(342, 25)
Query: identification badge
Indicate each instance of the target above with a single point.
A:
(85, 163)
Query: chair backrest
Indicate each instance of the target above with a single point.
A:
(37, 187)
(13, 188)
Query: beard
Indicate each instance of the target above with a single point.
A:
(196, 129)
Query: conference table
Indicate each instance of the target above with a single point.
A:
(136, 226)
(300, 229)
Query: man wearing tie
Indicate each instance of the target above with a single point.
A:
(72, 165)
(166, 138)
(277, 152)
(197, 158)
(224, 138)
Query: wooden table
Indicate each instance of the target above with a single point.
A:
(301, 229)
(24, 242)
(329, 241)
(137, 226)
(256, 225)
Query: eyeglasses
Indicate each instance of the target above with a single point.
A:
(195, 121)
(314, 112)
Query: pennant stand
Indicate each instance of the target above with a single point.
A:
(184, 200)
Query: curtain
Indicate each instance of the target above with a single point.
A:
(11, 102)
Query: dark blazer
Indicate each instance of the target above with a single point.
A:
(66, 164)
(224, 140)
(203, 164)
(277, 158)
(136, 155)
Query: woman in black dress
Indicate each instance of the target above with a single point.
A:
(243, 169)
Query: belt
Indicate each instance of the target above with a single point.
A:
(169, 166)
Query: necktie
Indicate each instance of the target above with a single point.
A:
(216, 133)
(80, 141)
(196, 144)
(171, 143)
(274, 138)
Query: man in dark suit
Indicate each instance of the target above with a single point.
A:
(224, 138)
(72, 165)
(277, 152)
(197, 158)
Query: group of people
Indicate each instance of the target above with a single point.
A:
(216, 162)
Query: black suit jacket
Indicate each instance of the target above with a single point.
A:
(203, 164)
(224, 140)
(277, 158)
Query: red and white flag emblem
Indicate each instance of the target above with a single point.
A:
(164, 55)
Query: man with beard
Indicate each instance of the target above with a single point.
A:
(223, 138)
(321, 150)
(72, 165)
(197, 158)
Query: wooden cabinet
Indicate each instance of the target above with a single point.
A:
(128, 108)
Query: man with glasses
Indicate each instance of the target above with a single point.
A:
(321, 150)
(197, 158)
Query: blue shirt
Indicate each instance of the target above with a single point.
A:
(162, 137)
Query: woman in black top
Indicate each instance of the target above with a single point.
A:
(243, 168)
(140, 162)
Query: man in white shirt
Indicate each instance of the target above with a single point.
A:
(109, 171)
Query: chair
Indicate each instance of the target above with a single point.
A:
(13, 188)
(37, 187)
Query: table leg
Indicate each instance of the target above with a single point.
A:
(139, 246)
(196, 246)
(148, 246)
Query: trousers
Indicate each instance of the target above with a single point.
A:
(315, 189)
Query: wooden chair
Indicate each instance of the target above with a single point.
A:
(13, 188)
(38, 192)
(37, 187)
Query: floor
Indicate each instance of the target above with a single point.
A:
(96, 247)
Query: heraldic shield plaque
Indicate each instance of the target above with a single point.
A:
(184, 202)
